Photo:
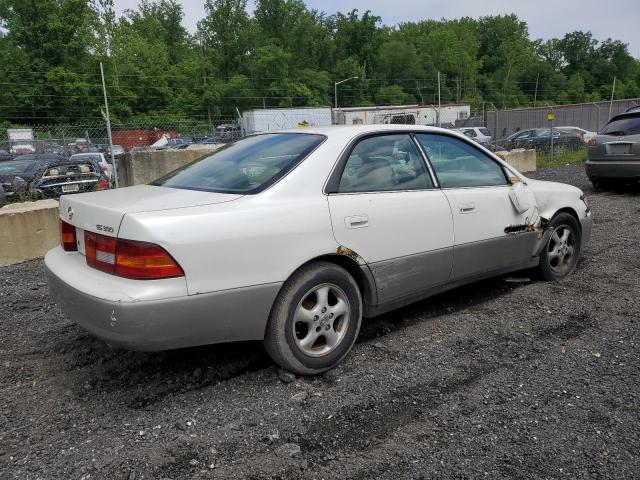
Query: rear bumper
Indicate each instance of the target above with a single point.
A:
(231, 315)
(629, 169)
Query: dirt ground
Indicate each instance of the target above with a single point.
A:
(500, 379)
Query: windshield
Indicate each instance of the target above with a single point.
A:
(15, 167)
(247, 166)
(628, 125)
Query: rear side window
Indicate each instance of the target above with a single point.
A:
(628, 125)
(485, 131)
(247, 166)
(458, 164)
(385, 163)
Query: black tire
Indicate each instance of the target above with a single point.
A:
(283, 335)
(552, 267)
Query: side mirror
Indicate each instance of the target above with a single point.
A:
(519, 196)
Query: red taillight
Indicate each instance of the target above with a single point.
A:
(592, 143)
(100, 251)
(103, 184)
(68, 237)
(129, 258)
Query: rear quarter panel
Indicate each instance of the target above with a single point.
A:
(255, 240)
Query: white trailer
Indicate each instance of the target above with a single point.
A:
(21, 140)
(270, 119)
(446, 115)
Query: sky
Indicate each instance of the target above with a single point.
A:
(617, 19)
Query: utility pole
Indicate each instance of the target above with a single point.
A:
(420, 93)
(535, 95)
(550, 118)
(613, 91)
(335, 89)
(108, 120)
(439, 102)
(204, 77)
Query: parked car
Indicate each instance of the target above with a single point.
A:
(614, 154)
(179, 142)
(482, 135)
(16, 175)
(293, 237)
(228, 132)
(49, 147)
(22, 149)
(51, 175)
(5, 155)
(103, 161)
(586, 134)
(104, 148)
(540, 139)
(117, 150)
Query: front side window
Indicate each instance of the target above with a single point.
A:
(245, 167)
(458, 164)
(385, 163)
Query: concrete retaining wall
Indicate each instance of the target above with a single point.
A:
(144, 166)
(28, 230)
(520, 159)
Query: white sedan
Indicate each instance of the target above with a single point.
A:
(293, 237)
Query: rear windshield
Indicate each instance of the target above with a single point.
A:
(15, 167)
(247, 166)
(623, 126)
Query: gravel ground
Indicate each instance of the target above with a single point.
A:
(494, 380)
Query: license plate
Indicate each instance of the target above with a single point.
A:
(70, 188)
(619, 149)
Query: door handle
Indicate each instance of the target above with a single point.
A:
(356, 221)
(467, 207)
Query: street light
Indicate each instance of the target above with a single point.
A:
(335, 88)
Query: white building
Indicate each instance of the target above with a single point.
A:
(270, 119)
(403, 114)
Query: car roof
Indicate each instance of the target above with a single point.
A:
(345, 130)
(632, 114)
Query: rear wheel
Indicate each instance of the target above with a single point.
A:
(315, 319)
(560, 256)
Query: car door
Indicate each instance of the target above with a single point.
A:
(384, 207)
(492, 217)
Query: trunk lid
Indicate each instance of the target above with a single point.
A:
(102, 212)
(615, 148)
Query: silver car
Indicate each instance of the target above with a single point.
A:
(614, 154)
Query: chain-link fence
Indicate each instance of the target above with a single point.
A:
(67, 140)
(587, 116)
(508, 129)
(77, 157)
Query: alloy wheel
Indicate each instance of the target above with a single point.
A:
(321, 320)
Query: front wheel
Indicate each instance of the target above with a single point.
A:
(315, 319)
(560, 256)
